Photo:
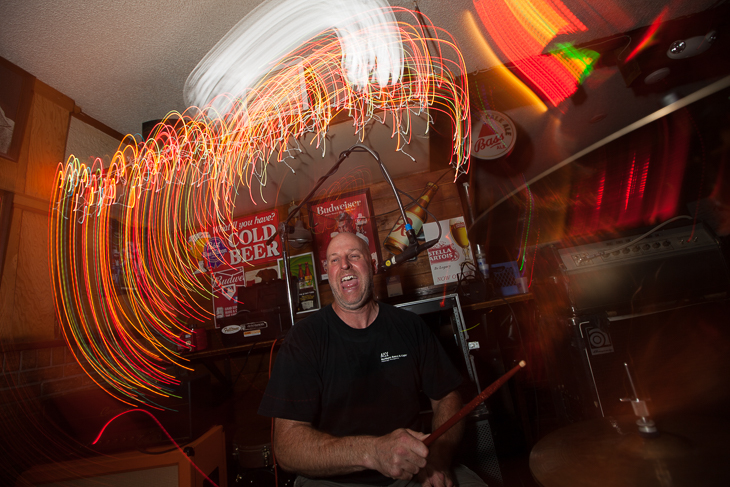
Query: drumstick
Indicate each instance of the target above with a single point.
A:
(474, 403)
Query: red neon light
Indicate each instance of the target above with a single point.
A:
(649, 36)
(521, 30)
(629, 183)
(98, 437)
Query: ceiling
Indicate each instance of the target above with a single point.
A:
(126, 62)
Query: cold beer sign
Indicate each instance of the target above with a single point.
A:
(243, 241)
(246, 239)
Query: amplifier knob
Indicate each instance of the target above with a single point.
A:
(666, 243)
(626, 250)
(656, 245)
(645, 247)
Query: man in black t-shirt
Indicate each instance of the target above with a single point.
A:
(345, 388)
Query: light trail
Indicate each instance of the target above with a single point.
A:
(124, 267)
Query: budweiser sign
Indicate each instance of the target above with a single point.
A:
(495, 135)
(225, 285)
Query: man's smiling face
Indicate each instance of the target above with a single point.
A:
(350, 271)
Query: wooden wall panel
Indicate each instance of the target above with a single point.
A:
(7, 287)
(48, 129)
(26, 301)
(33, 306)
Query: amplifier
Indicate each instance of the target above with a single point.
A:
(672, 265)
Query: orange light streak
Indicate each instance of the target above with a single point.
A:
(123, 325)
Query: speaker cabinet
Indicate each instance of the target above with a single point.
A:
(202, 465)
(676, 359)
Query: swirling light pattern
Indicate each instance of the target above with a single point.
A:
(123, 322)
(522, 28)
(367, 30)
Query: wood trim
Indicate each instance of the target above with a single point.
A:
(29, 203)
(77, 113)
(210, 452)
(54, 95)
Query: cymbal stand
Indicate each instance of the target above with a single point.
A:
(646, 425)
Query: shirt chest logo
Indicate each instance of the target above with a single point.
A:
(386, 357)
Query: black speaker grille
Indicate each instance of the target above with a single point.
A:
(479, 453)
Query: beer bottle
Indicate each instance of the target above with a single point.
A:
(308, 283)
(301, 277)
(397, 240)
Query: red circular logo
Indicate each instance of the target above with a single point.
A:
(495, 135)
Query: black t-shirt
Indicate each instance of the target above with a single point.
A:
(347, 381)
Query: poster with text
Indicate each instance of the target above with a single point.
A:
(304, 273)
(348, 212)
(242, 242)
(451, 250)
(225, 292)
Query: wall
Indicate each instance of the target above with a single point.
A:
(35, 362)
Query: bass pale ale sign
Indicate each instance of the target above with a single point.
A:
(495, 135)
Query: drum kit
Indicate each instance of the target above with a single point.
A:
(613, 452)
(635, 451)
(253, 458)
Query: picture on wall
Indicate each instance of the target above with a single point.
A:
(16, 93)
(347, 212)
(304, 273)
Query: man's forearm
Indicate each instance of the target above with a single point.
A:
(445, 445)
(301, 448)
(324, 455)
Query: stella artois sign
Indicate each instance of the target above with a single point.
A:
(443, 252)
(493, 135)
(451, 250)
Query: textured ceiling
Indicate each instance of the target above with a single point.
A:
(125, 62)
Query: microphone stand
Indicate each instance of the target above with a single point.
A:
(283, 229)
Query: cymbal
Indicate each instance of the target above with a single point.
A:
(606, 453)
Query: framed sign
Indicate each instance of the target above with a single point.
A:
(242, 242)
(450, 252)
(347, 212)
(302, 269)
(16, 94)
(225, 285)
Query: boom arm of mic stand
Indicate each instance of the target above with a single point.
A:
(283, 227)
(409, 230)
(283, 230)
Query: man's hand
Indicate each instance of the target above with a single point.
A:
(400, 454)
(435, 475)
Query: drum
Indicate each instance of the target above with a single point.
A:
(252, 441)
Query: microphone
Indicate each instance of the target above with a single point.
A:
(410, 252)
